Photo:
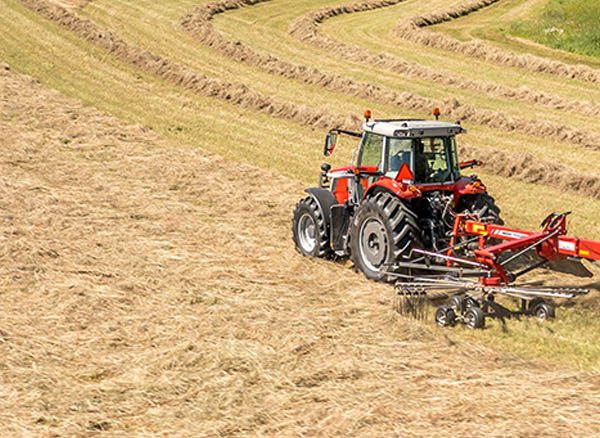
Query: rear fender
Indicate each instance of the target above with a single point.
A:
(325, 200)
(469, 186)
(397, 188)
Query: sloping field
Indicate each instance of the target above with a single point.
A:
(149, 287)
(152, 153)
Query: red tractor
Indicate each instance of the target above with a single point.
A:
(404, 212)
(403, 192)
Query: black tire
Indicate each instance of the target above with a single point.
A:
(544, 311)
(483, 205)
(384, 230)
(445, 316)
(471, 302)
(309, 230)
(457, 303)
(474, 318)
(534, 303)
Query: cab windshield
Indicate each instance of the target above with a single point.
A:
(432, 159)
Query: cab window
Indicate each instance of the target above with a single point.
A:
(370, 154)
(399, 152)
(434, 160)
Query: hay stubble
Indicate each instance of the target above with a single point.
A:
(147, 288)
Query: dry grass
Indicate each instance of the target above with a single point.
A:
(150, 288)
(177, 114)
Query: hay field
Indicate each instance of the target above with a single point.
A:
(151, 155)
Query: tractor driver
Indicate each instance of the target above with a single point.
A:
(422, 169)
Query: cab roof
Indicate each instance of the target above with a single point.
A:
(413, 128)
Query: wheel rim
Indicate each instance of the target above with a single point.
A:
(541, 313)
(373, 244)
(441, 318)
(470, 302)
(470, 320)
(456, 303)
(307, 232)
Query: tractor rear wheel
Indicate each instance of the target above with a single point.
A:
(309, 229)
(483, 205)
(384, 230)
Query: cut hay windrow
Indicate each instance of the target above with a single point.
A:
(185, 77)
(306, 29)
(413, 30)
(238, 94)
(242, 95)
(525, 167)
(529, 168)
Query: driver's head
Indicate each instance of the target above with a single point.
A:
(433, 145)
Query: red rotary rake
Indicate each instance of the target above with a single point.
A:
(491, 248)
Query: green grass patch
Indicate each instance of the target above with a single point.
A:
(570, 25)
(573, 338)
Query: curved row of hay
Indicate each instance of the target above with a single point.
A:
(412, 30)
(306, 29)
(180, 75)
(525, 167)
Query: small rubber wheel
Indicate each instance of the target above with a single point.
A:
(470, 302)
(544, 311)
(445, 316)
(534, 303)
(457, 303)
(474, 318)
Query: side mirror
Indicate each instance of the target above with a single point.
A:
(469, 164)
(330, 142)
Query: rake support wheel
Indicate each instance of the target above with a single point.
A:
(474, 318)
(544, 311)
(445, 316)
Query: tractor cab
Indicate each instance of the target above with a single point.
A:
(427, 148)
(407, 157)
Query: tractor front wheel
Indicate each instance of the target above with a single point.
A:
(384, 231)
(309, 229)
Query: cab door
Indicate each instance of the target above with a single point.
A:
(370, 157)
